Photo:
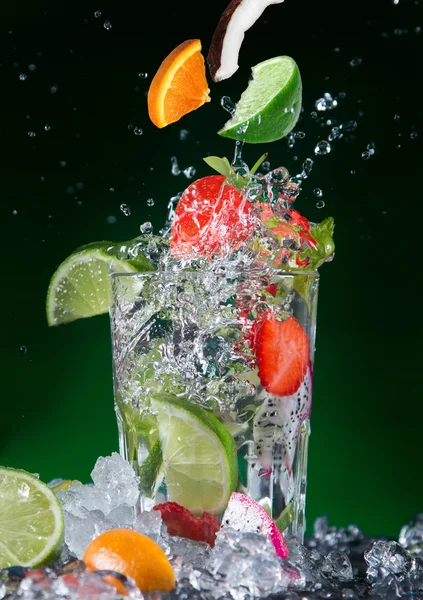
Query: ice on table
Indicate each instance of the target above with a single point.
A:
(336, 562)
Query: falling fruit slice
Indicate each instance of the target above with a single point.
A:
(224, 49)
(179, 86)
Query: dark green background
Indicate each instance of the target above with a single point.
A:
(56, 398)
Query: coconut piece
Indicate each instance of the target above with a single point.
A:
(238, 17)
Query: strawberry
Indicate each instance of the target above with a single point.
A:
(211, 217)
(181, 522)
(283, 353)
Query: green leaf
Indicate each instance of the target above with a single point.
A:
(273, 222)
(259, 162)
(323, 234)
(221, 165)
(285, 518)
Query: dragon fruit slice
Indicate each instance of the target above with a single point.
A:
(277, 425)
(244, 514)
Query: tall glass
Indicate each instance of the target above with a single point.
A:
(212, 378)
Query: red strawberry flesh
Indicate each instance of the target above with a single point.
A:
(211, 218)
(283, 353)
(181, 522)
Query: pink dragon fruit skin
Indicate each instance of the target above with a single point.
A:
(244, 514)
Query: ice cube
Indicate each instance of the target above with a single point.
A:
(150, 524)
(386, 558)
(116, 477)
(81, 530)
(337, 566)
(411, 535)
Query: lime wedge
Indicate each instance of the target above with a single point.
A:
(81, 285)
(199, 455)
(270, 106)
(31, 520)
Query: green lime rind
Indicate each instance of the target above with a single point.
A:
(200, 459)
(31, 520)
(80, 287)
(270, 106)
(151, 471)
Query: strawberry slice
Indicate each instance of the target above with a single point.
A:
(283, 353)
(181, 522)
(211, 218)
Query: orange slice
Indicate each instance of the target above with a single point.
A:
(133, 554)
(179, 86)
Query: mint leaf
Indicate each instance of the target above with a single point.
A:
(258, 163)
(221, 165)
(323, 234)
(273, 222)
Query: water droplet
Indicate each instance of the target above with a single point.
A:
(23, 76)
(334, 134)
(398, 147)
(70, 190)
(353, 172)
(130, 126)
(397, 117)
(349, 126)
(138, 131)
(143, 75)
(97, 14)
(326, 103)
(14, 212)
(322, 148)
(63, 163)
(337, 49)
(107, 25)
(318, 192)
(79, 186)
(79, 203)
(320, 204)
(126, 210)
(342, 95)
(183, 134)
(111, 220)
(228, 105)
(371, 147)
(42, 178)
(307, 167)
(47, 127)
(146, 228)
(265, 166)
(300, 135)
(175, 170)
(189, 172)
(290, 140)
(54, 89)
(366, 155)
(413, 135)
(313, 115)
(395, 1)
(418, 30)
(150, 202)
(31, 134)
(355, 62)
(32, 67)
(23, 349)
(112, 189)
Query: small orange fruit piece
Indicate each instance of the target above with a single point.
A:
(179, 86)
(133, 554)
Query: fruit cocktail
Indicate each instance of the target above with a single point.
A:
(213, 351)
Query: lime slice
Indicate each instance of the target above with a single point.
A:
(199, 455)
(81, 285)
(270, 106)
(31, 520)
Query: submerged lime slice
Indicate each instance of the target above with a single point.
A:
(81, 286)
(199, 455)
(31, 520)
(270, 106)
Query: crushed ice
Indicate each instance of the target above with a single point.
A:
(334, 563)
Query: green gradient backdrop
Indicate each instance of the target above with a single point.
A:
(57, 403)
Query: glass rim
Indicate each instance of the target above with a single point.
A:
(255, 272)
